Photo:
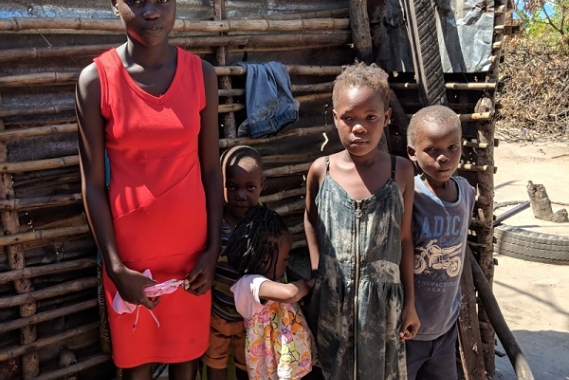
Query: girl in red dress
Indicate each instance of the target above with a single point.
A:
(153, 108)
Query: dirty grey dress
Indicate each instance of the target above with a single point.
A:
(356, 304)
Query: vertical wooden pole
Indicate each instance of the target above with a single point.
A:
(16, 260)
(485, 232)
(229, 125)
(361, 35)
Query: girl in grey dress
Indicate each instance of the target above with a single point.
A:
(358, 228)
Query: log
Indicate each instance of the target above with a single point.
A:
(541, 205)
(282, 171)
(47, 315)
(225, 108)
(308, 157)
(16, 24)
(292, 70)
(298, 244)
(16, 261)
(473, 168)
(13, 352)
(513, 350)
(336, 13)
(469, 339)
(43, 234)
(43, 270)
(297, 132)
(35, 110)
(301, 191)
(449, 86)
(40, 202)
(361, 35)
(27, 166)
(80, 366)
(53, 291)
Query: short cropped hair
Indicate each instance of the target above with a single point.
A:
(436, 114)
(234, 155)
(361, 75)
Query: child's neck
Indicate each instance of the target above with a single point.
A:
(446, 191)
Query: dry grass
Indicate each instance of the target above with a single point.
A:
(534, 100)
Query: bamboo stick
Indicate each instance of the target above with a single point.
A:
(17, 24)
(80, 366)
(47, 315)
(53, 291)
(43, 270)
(13, 352)
(43, 234)
(17, 134)
(282, 171)
(21, 111)
(336, 13)
(307, 157)
(62, 78)
(334, 38)
(283, 195)
(291, 208)
(31, 203)
(27, 166)
(297, 132)
(473, 168)
(298, 244)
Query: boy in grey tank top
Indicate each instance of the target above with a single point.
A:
(442, 211)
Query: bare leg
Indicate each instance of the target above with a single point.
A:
(143, 372)
(216, 373)
(183, 371)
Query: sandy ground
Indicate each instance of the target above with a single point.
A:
(534, 297)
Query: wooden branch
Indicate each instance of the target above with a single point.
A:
(282, 171)
(297, 158)
(43, 234)
(80, 366)
(513, 350)
(14, 352)
(283, 195)
(28, 166)
(16, 134)
(47, 315)
(336, 13)
(228, 143)
(292, 70)
(298, 228)
(473, 168)
(43, 270)
(32, 203)
(360, 27)
(35, 110)
(53, 291)
(298, 244)
(17, 24)
(484, 86)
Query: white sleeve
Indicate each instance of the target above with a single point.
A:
(246, 295)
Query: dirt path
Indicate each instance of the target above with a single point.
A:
(534, 296)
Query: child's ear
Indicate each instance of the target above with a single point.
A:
(411, 153)
(335, 115)
(114, 7)
(387, 117)
(263, 183)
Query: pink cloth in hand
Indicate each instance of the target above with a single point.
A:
(120, 306)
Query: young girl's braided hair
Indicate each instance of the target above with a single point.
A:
(253, 244)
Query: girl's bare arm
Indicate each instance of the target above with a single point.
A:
(129, 283)
(410, 322)
(313, 181)
(202, 276)
(287, 293)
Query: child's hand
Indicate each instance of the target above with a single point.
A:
(201, 277)
(409, 323)
(130, 285)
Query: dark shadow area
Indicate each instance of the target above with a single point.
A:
(546, 351)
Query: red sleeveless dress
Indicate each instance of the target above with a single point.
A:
(157, 202)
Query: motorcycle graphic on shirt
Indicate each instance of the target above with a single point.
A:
(435, 257)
